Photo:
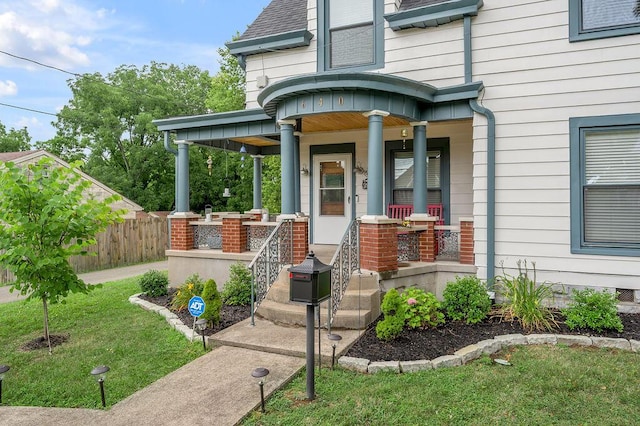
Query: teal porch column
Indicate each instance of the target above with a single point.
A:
(296, 171)
(182, 177)
(287, 164)
(420, 167)
(257, 181)
(375, 203)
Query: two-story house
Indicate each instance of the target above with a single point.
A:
(519, 120)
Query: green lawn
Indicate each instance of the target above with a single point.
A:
(545, 385)
(104, 328)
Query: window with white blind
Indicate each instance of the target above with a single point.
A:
(352, 36)
(590, 19)
(605, 184)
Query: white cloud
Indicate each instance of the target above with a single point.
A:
(29, 122)
(8, 88)
(49, 31)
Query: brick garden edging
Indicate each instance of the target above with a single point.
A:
(488, 347)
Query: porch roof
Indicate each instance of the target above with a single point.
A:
(309, 98)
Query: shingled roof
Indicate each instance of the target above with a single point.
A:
(414, 4)
(283, 16)
(280, 16)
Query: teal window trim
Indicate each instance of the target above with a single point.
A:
(433, 144)
(576, 33)
(324, 59)
(577, 128)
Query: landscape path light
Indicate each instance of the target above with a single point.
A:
(100, 373)
(3, 370)
(201, 325)
(260, 374)
(335, 339)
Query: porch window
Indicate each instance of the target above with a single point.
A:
(332, 188)
(352, 36)
(590, 19)
(402, 192)
(605, 185)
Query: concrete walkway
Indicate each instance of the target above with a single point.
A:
(97, 277)
(215, 389)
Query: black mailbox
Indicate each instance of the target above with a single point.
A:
(310, 281)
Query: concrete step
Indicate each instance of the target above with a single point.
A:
(296, 314)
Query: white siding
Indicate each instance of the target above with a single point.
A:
(535, 81)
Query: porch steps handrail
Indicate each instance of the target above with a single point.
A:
(345, 260)
(275, 253)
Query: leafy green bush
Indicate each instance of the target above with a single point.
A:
(594, 310)
(237, 291)
(393, 308)
(422, 309)
(466, 299)
(154, 283)
(212, 302)
(192, 286)
(524, 299)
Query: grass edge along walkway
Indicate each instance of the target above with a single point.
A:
(104, 328)
(544, 385)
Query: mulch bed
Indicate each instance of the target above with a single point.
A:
(229, 315)
(423, 343)
(446, 339)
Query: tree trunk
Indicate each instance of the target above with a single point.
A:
(46, 323)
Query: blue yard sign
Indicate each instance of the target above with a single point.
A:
(196, 306)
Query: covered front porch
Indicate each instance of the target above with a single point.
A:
(350, 146)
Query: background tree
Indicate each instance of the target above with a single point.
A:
(14, 140)
(47, 217)
(108, 123)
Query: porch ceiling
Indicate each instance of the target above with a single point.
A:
(343, 121)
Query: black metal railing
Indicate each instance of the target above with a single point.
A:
(344, 262)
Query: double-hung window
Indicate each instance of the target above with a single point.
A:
(591, 19)
(352, 34)
(605, 185)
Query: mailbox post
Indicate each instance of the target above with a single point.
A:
(310, 283)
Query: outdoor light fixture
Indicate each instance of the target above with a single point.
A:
(201, 324)
(243, 151)
(304, 170)
(3, 370)
(335, 338)
(260, 374)
(359, 169)
(226, 193)
(404, 133)
(100, 373)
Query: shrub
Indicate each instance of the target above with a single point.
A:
(154, 283)
(466, 299)
(524, 299)
(192, 286)
(422, 309)
(237, 291)
(393, 308)
(212, 302)
(594, 310)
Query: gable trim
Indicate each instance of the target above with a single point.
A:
(434, 15)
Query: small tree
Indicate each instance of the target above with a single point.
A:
(47, 216)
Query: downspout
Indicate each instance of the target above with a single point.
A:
(491, 156)
(170, 149)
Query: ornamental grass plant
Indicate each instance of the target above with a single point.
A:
(524, 298)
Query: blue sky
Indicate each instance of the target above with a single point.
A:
(98, 36)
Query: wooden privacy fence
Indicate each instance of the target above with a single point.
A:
(132, 241)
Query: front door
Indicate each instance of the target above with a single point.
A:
(331, 197)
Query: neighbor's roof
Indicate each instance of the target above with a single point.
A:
(10, 156)
(282, 16)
